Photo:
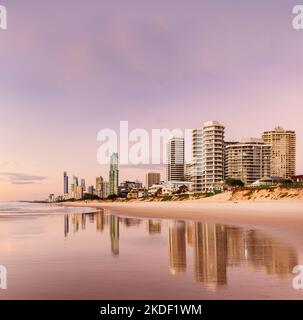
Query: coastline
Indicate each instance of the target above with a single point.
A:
(280, 218)
(277, 212)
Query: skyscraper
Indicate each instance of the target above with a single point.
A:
(175, 159)
(283, 151)
(106, 189)
(114, 174)
(83, 185)
(75, 183)
(248, 160)
(99, 187)
(152, 178)
(65, 182)
(212, 155)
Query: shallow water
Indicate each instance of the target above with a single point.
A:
(73, 253)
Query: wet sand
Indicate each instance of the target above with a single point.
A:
(275, 213)
(175, 250)
(282, 218)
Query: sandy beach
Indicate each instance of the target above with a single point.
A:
(202, 249)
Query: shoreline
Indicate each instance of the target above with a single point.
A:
(278, 212)
(282, 219)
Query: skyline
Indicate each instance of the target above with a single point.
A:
(153, 64)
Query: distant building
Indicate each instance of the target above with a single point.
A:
(114, 174)
(74, 185)
(212, 155)
(106, 189)
(137, 193)
(79, 193)
(175, 159)
(83, 185)
(90, 190)
(248, 160)
(152, 178)
(127, 186)
(76, 181)
(65, 183)
(99, 190)
(283, 151)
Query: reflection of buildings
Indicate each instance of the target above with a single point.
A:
(261, 251)
(177, 247)
(114, 234)
(101, 221)
(210, 254)
(130, 222)
(154, 226)
(215, 247)
(66, 225)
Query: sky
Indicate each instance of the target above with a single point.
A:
(71, 68)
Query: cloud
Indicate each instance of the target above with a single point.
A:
(20, 178)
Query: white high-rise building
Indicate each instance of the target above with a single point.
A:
(175, 159)
(196, 164)
(212, 155)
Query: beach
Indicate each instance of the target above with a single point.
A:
(202, 249)
(283, 213)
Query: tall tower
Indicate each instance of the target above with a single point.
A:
(114, 174)
(65, 182)
(212, 155)
(99, 187)
(175, 159)
(283, 151)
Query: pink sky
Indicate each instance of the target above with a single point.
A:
(70, 69)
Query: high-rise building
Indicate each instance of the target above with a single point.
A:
(90, 190)
(212, 155)
(175, 159)
(114, 174)
(83, 185)
(106, 189)
(283, 151)
(65, 183)
(75, 184)
(152, 178)
(197, 163)
(99, 187)
(247, 160)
